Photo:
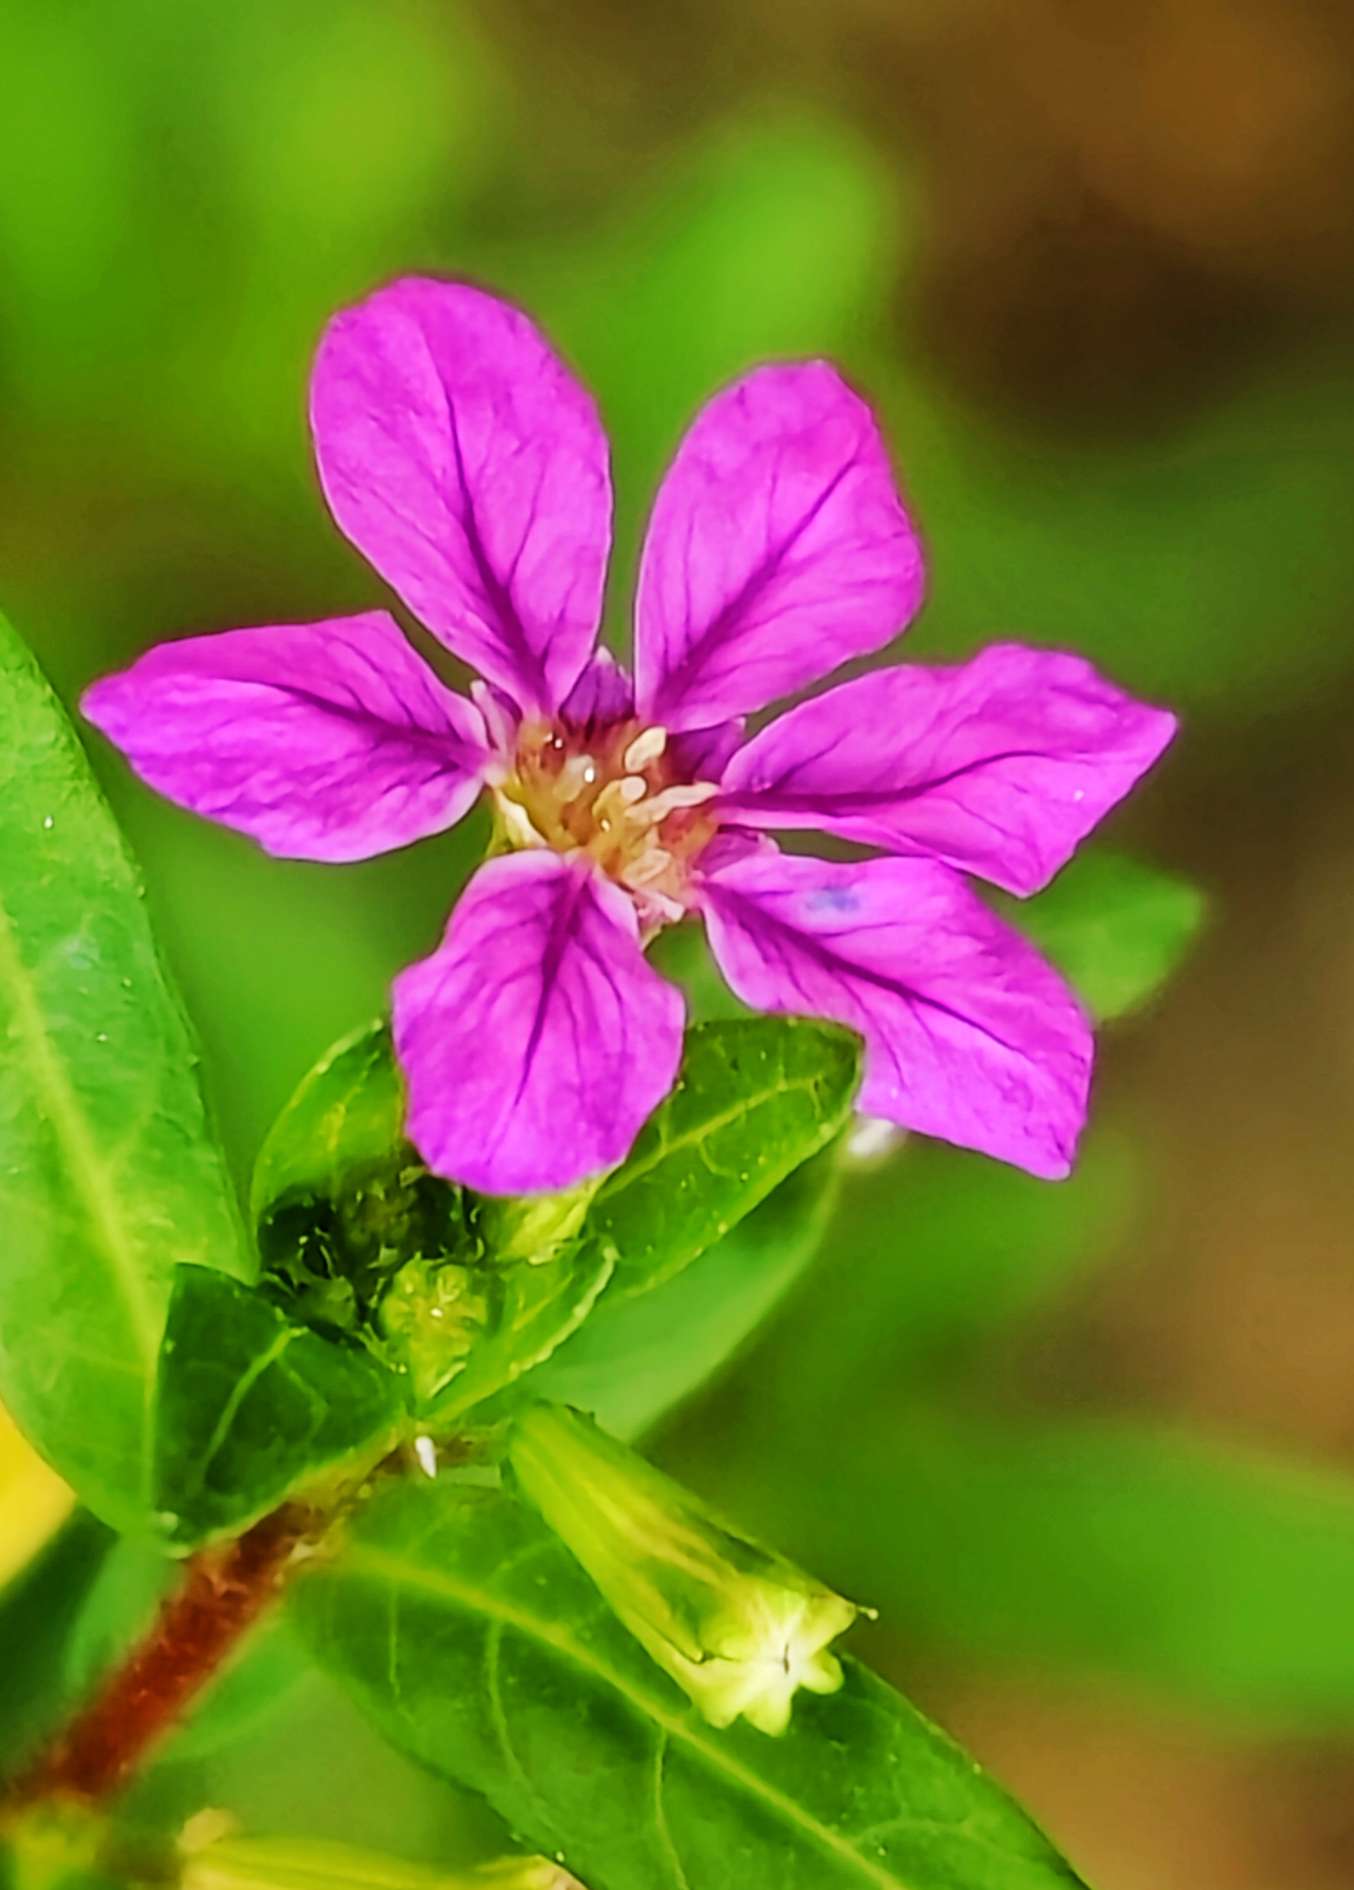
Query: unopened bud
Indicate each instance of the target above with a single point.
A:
(536, 1227)
(315, 1864)
(739, 1628)
(432, 1315)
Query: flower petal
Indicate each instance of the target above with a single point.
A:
(322, 741)
(536, 1039)
(601, 697)
(969, 1035)
(778, 548)
(702, 754)
(1000, 766)
(464, 461)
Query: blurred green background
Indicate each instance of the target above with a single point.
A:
(1089, 1449)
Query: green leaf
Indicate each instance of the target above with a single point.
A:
(234, 1863)
(109, 1175)
(754, 1098)
(1115, 927)
(363, 1239)
(720, 1205)
(342, 1202)
(345, 1114)
(640, 1354)
(478, 1645)
(527, 1312)
(252, 1408)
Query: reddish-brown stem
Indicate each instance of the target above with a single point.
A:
(223, 1593)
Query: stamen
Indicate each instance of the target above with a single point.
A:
(578, 772)
(575, 798)
(647, 746)
(517, 823)
(652, 865)
(629, 789)
(681, 794)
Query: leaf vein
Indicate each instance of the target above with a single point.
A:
(681, 1730)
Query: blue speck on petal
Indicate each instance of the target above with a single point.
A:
(833, 899)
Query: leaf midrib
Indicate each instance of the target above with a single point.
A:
(711, 1125)
(84, 1165)
(359, 1556)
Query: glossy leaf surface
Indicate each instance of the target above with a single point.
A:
(641, 1353)
(755, 1097)
(360, 1237)
(252, 1408)
(341, 1200)
(475, 1641)
(109, 1174)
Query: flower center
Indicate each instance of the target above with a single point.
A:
(617, 796)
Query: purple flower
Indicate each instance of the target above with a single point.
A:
(459, 455)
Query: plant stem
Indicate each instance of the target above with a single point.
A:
(224, 1592)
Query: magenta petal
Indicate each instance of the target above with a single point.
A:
(778, 548)
(464, 461)
(999, 767)
(536, 1038)
(702, 754)
(969, 1035)
(322, 741)
(601, 697)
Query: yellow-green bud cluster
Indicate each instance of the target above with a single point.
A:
(738, 1627)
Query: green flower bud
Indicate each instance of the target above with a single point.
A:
(314, 1864)
(522, 1873)
(739, 1628)
(432, 1316)
(534, 1227)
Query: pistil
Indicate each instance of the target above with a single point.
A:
(615, 800)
